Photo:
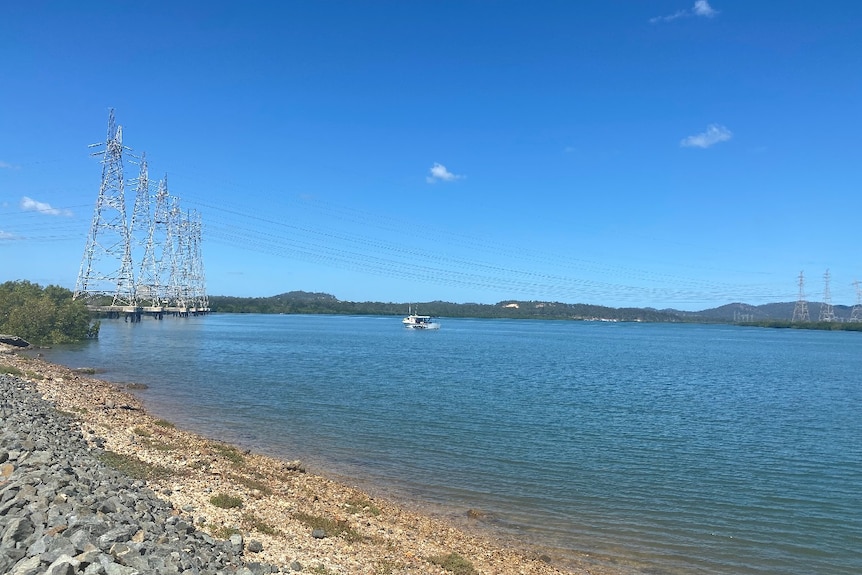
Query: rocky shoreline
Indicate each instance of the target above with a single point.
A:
(91, 483)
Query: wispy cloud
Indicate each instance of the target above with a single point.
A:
(6, 235)
(439, 173)
(701, 8)
(31, 205)
(714, 134)
(7, 166)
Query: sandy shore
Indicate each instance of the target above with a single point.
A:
(301, 520)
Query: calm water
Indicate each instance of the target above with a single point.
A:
(669, 448)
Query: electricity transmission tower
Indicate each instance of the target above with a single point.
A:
(197, 281)
(166, 244)
(856, 313)
(151, 279)
(139, 227)
(800, 312)
(106, 268)
(177, 246)
(826, 311)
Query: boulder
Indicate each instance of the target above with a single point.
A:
(13, 340)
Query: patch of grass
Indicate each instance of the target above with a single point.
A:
(164, 423)
(77, 409)
(141, 432)
(320, 569)
(356, 505)
(229, 452)
(251, 483)
(34, 375)
(385, 567)
(255, 522)
(158, 444)
(225, 501)
(332, 527)
(10, 370)
(454, 563)
(134, 467)
(200, 464)
(224, 532)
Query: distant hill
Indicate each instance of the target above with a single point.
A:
(771, 311)
(295, 302)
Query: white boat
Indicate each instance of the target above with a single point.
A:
(414, 321)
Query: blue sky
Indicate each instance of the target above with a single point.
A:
(643, 153)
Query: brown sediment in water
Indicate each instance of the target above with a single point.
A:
(299, 518)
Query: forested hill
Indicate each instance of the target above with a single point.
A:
(300, 302)
(321, 303)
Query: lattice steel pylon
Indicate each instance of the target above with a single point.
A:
(800, 311)
(139, 227)
(827, 313)
(177, 243)
(199, 299)
(152, 284)
(856, 312)
(106, 268)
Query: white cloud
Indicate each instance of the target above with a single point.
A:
(31, 205)
(701, 8)
(714, 134)
(6, 235)
(439, 173)
(7, 166)
(670, 17)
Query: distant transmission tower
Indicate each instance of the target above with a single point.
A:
(177, 243)
(826, 311)
(152, 281)
(196, 265)
(800, 312)
(106, 268)
(856, 313)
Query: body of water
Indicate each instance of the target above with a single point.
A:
(667, 448)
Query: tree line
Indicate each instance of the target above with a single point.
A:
(299, 302)
(46, 315)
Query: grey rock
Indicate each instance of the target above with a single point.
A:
(14, 340)
(236, 541)
(255, 546)
(63, 511)
(17, 530)
(28, 566)
(63, 565)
